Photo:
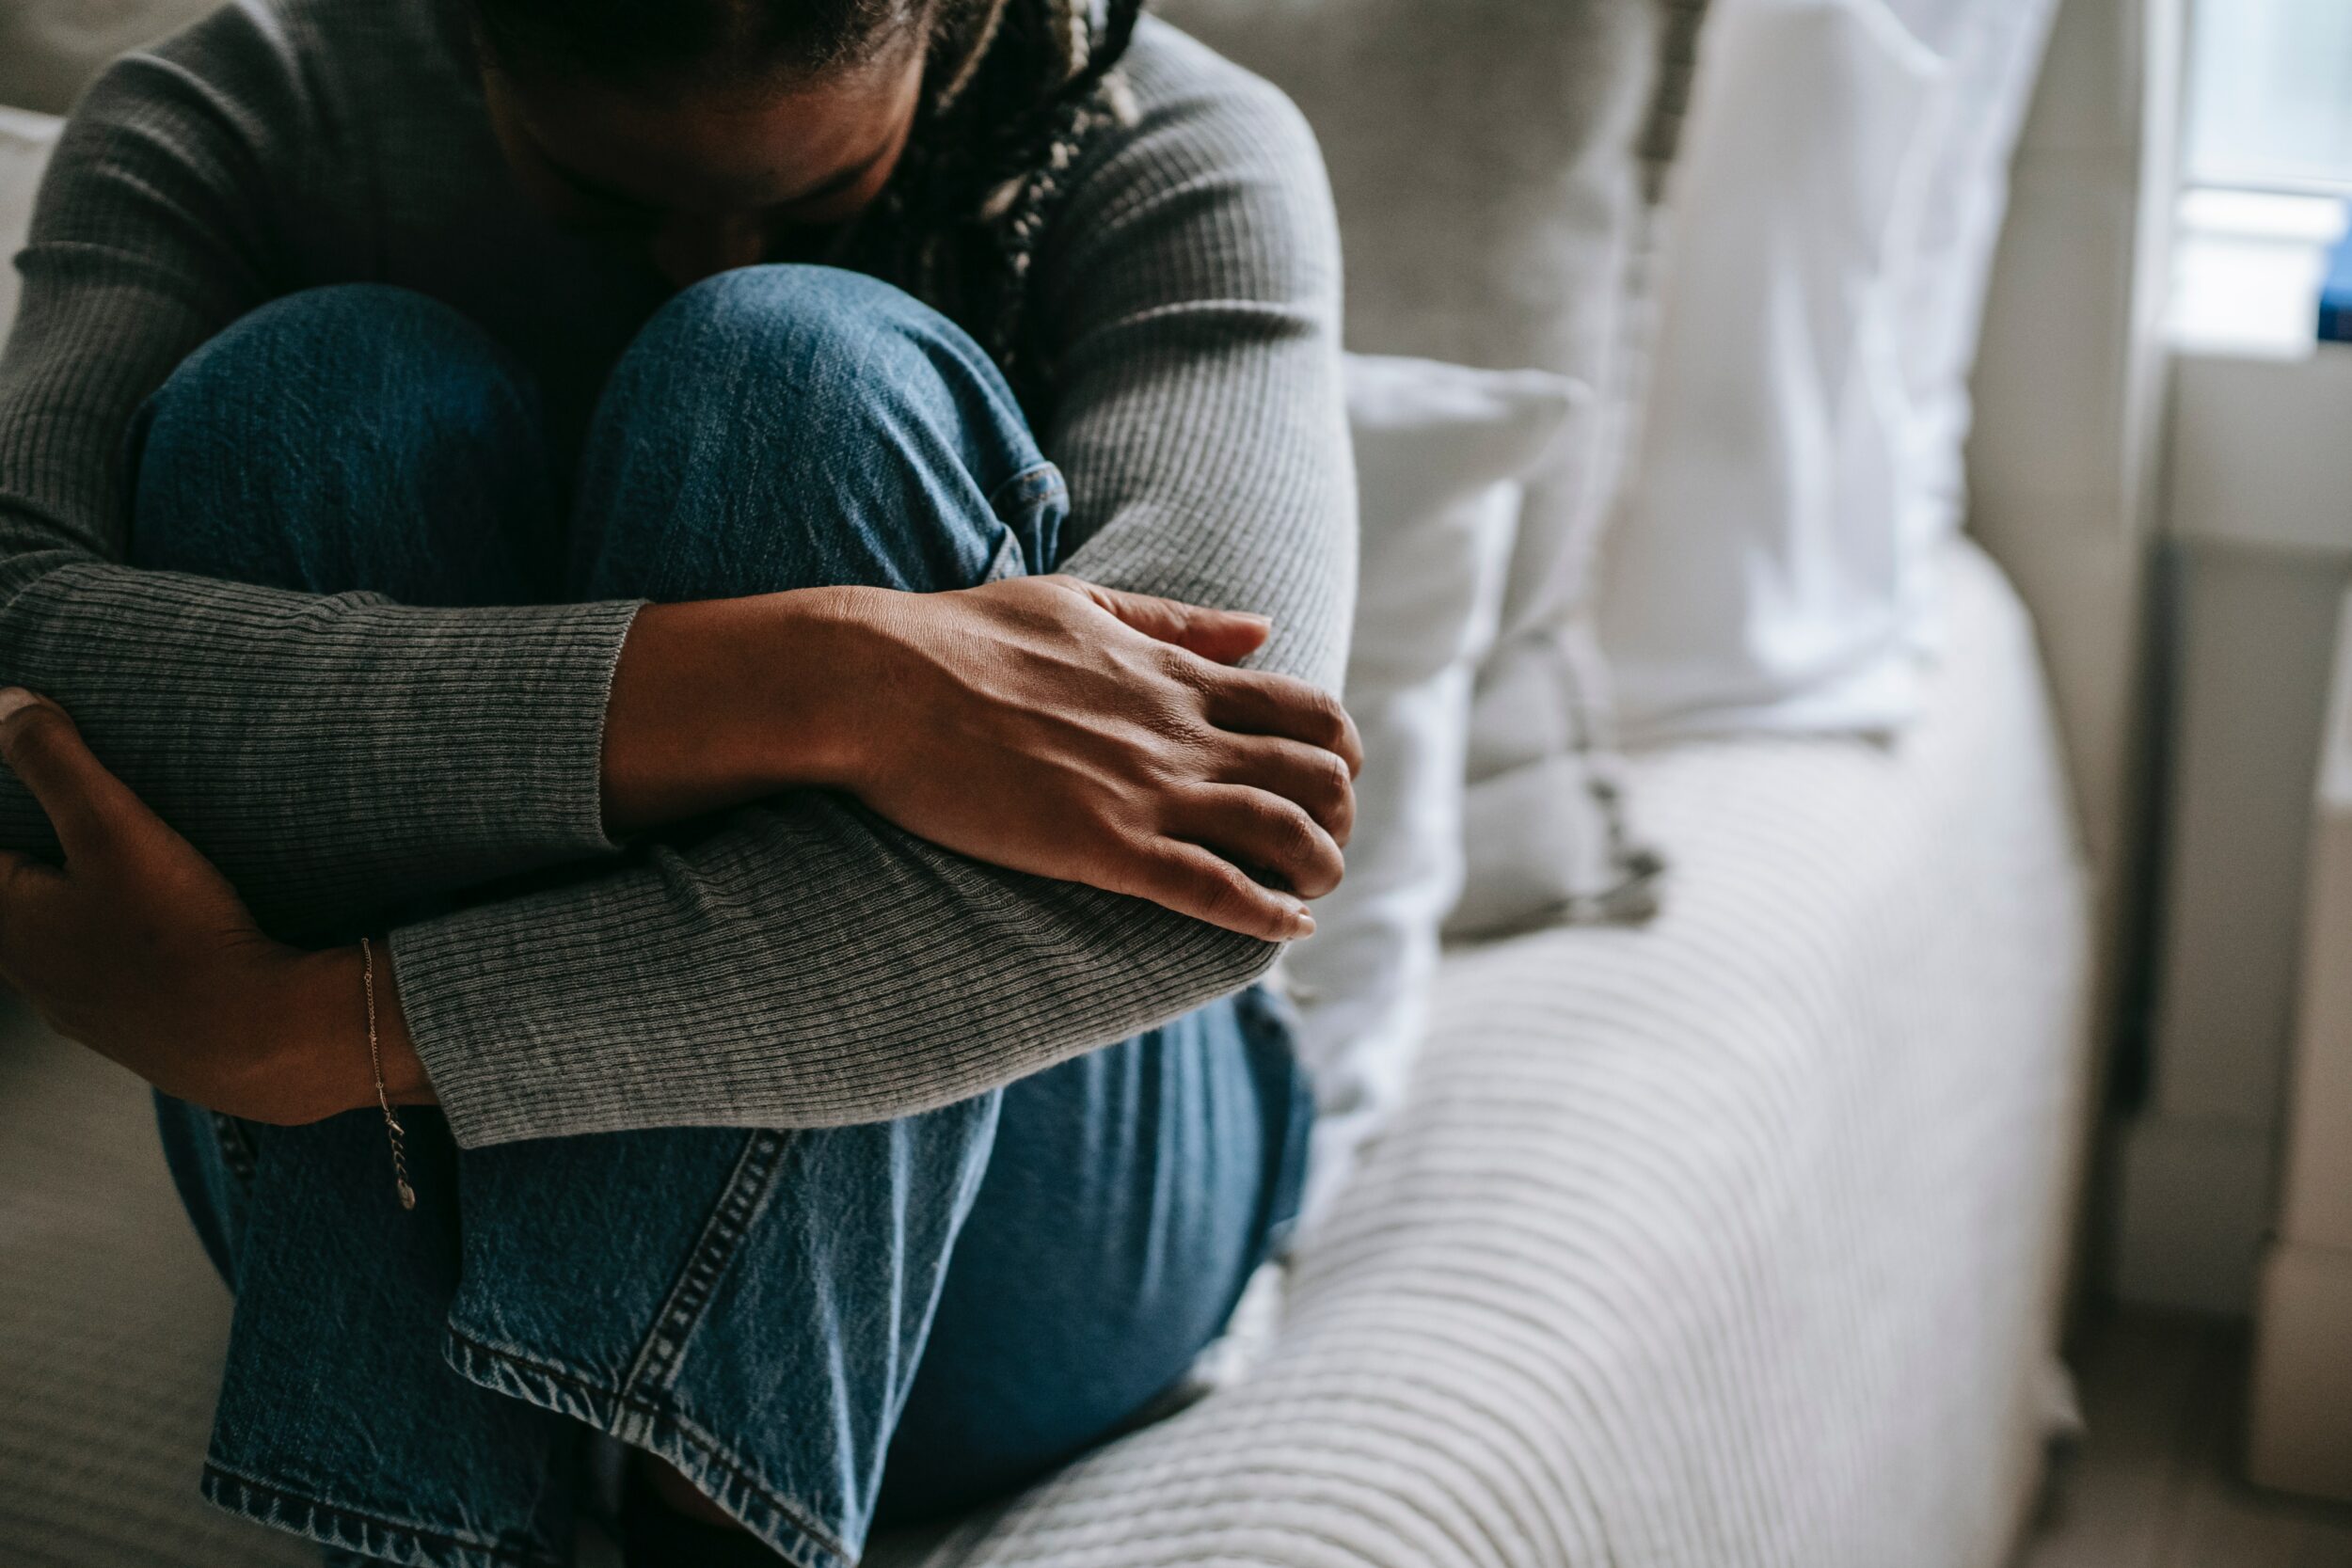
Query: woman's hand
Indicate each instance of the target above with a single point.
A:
(139, 949)
(1039, 723)
(1059, 728)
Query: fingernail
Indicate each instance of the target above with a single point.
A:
(13, 701)
(1302, 923)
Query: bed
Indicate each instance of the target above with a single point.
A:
(1737, 1239)
(1734, 1240)
(1731, 1241)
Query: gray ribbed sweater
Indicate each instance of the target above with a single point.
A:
(808, 964)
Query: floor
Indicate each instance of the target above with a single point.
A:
(2154, 1484)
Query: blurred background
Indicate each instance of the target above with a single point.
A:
(1898, 1057)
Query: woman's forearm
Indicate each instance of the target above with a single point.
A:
(1045, 725)
(1040, 724)
(319, 1008)
(719, 703)
(334, 756)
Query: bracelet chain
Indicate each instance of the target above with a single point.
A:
(392, 1130)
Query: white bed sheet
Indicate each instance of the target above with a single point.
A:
(1733, 1241)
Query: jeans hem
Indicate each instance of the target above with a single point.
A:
(386, 1540)
(782, 1524)
(1034, 487)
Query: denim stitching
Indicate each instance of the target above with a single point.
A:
(1008, 561)
(664, 1350)
(351, 1530)
(522, 1377)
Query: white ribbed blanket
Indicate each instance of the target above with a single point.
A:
(1730, 1242)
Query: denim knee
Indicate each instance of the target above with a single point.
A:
(826, 335)
(354, 437)
(785, 426)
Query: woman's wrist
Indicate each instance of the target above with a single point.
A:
(318, 1015)
(724, 701)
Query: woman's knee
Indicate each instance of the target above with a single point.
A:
(784, 426)
(817, 329)
(355, 437)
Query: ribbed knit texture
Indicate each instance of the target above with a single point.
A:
(807, 964)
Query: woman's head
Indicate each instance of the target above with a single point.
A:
(722, 131)
(719, 43)
(708, 126)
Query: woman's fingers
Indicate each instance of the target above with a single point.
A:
(1221, 636)
(1197, 882)
(1253, 702)
(1267, 833)
(85, 803)
(1315, 777)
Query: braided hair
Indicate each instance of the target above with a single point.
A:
(1015, 94)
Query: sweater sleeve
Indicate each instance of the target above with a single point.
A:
(808, 964)
(329, 754)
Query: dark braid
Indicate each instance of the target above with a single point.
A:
(1020, 90)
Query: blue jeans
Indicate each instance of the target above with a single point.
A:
(822, 1330)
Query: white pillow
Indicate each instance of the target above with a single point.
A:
(1771, 564)
(26, 139)
(1753, 578)
(1992, 52)
(1438, 448)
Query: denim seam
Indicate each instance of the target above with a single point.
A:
(641, 1410)
(656, 1427)
(664, 1350)
(1008, 561)
(349, 1530)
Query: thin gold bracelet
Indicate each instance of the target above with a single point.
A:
(392, 1130)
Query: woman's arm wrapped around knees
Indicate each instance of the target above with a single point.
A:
(810, 964)
(805, 963)
(330, 753)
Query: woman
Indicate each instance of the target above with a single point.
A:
(558, 489)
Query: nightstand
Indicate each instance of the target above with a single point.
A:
(2299, 1438)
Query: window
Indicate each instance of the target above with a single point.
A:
(2270, 95)
(2266, 171)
